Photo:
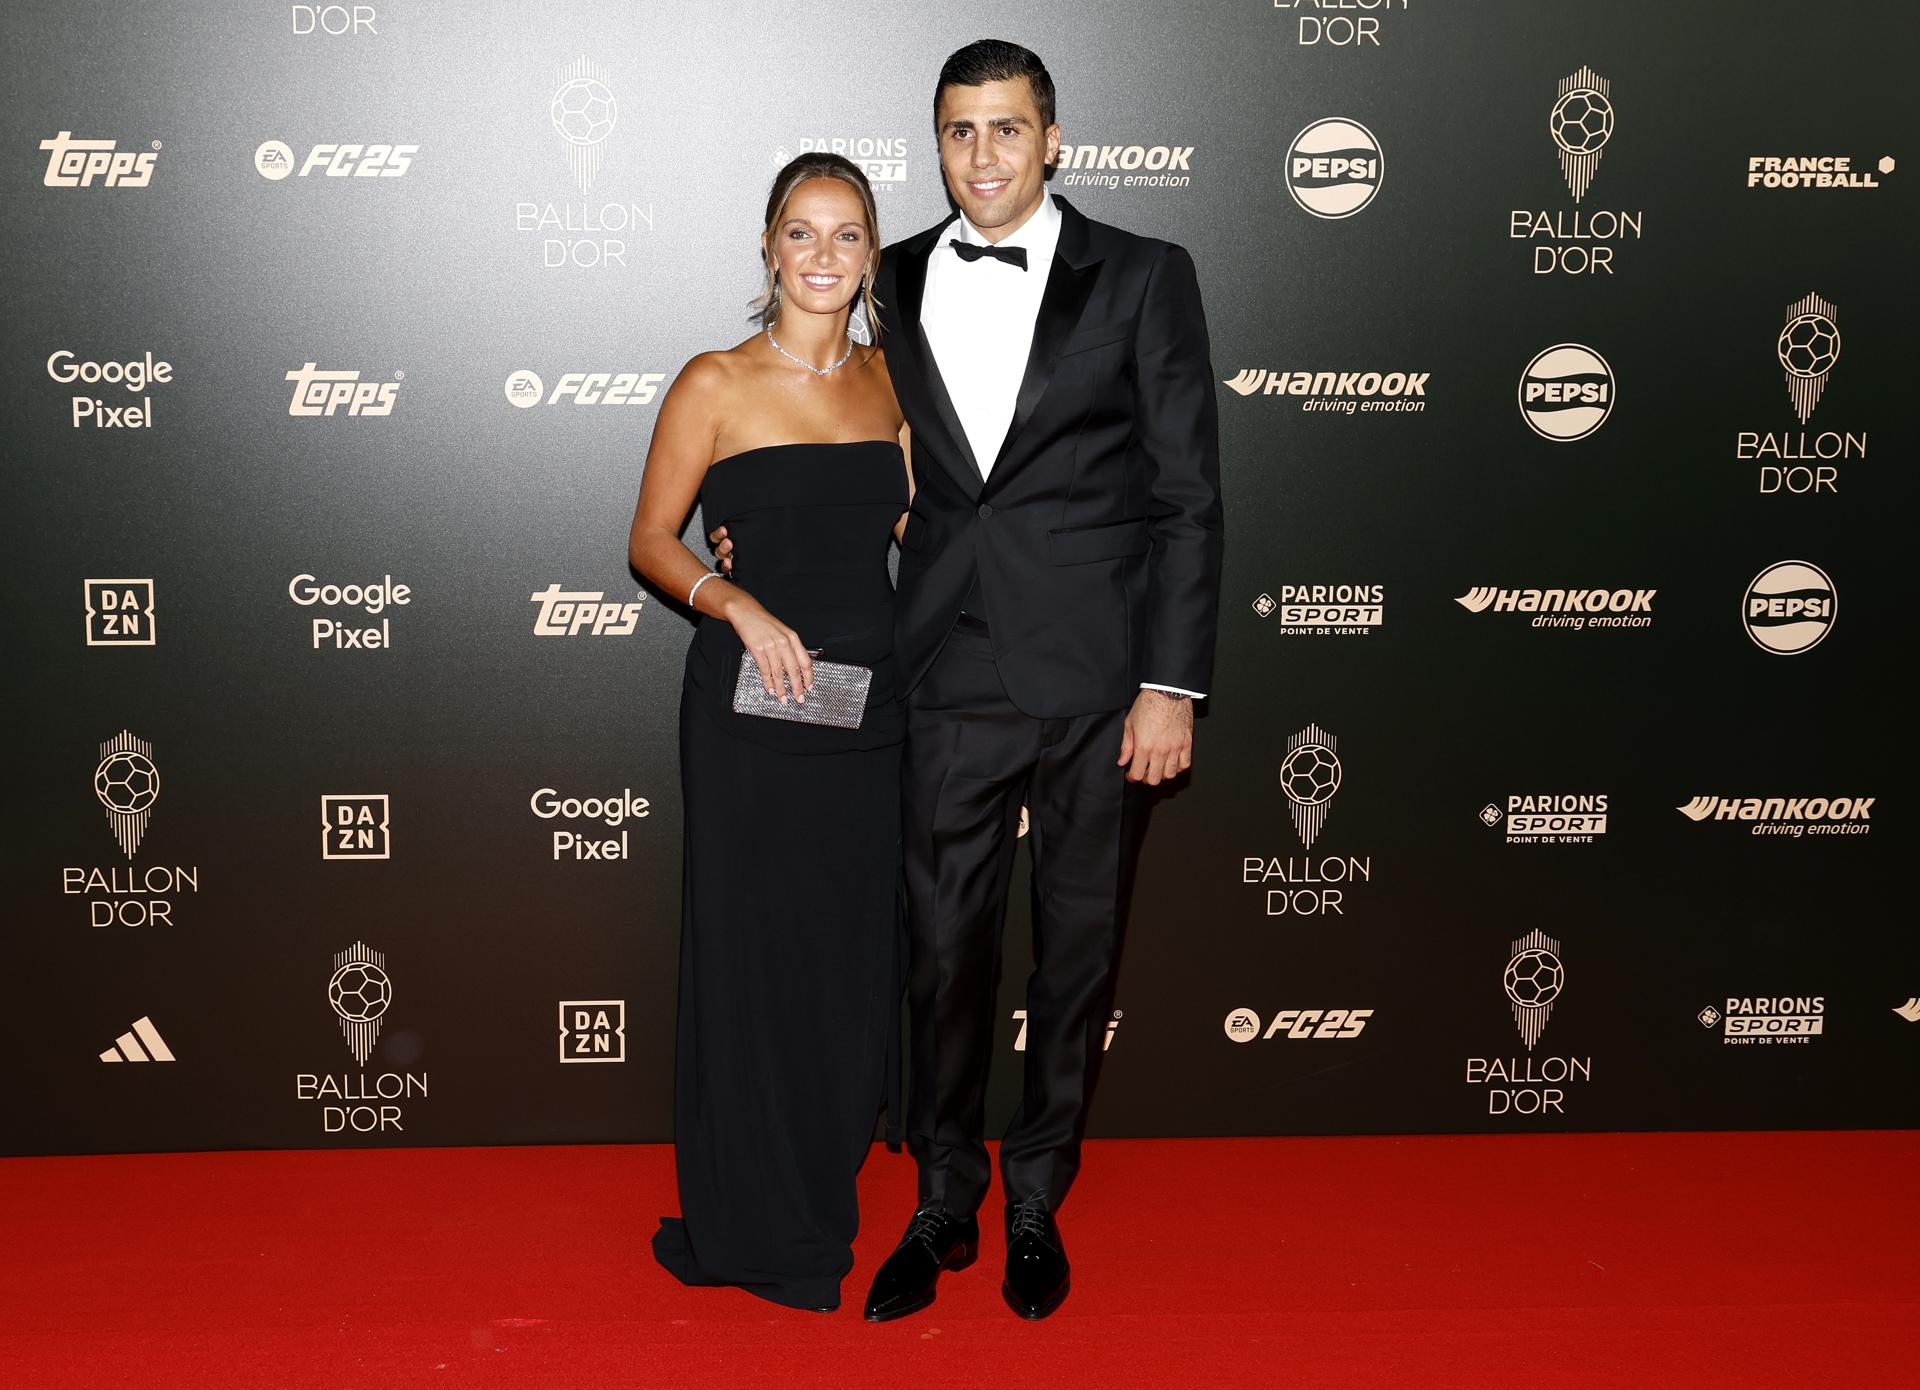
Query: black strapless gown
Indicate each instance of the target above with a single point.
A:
(791, 936)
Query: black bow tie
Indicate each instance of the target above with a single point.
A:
(1015, 256)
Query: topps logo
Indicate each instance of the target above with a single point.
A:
(566, 613)
(322, 393)
(75, 163)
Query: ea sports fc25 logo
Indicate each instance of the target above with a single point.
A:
(274, 160)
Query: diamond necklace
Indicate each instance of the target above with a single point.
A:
(817, 371)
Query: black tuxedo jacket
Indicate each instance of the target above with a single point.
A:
(1096, 537)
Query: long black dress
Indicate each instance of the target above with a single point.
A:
(791, 946)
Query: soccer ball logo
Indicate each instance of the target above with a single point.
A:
(127, 783)
(583, 111)
(1534, 978)
(1809, 345)
(359, 992)
(1310, 774)
(1581, 121)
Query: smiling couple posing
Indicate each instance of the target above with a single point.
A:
(1034, 423)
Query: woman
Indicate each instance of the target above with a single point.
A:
(790, 951)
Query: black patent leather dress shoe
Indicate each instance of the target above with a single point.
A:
(1038, 1276)
(934, 1241)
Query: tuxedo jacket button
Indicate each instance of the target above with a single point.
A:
(986, 510)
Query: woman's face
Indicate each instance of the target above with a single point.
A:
(820, 248)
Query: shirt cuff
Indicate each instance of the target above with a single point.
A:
(1173, 690)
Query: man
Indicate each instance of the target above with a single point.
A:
(1059, 580)
(1058, 587)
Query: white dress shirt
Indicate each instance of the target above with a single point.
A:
(979, 317)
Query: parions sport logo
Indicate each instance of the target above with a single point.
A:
(1335, 393)
(1575, 610)
(1315, 29)
(275, 160)
(882, 158)
(1124, 166)
(1790, 607)
(1796, 461)
(83, 163)
(1580, 126)
(1542, 818)
(1791, 817)
(1767, 1020)
(526, 389)
(1325, 610)
(1566, 392)
(1334, 168)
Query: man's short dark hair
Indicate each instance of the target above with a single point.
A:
(996, 60)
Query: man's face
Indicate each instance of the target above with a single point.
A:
(994, 153)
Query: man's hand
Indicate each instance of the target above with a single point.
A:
(722, 548)
(1157, 745)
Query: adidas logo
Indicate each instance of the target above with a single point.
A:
(141, 1043)
(1910, 1010)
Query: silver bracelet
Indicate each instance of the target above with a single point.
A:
(696, 586)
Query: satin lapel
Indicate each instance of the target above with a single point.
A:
(911, 278)
(1069, 284)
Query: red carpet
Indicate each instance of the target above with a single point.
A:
(1735, 1260)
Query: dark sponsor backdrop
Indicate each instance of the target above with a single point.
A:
(503, 230)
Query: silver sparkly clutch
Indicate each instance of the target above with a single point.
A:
(838, 698)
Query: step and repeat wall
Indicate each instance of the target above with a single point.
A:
(1548, 775)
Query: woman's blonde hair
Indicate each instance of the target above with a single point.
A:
(816, 164)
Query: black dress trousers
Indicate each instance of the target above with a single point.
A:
(971, 760)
